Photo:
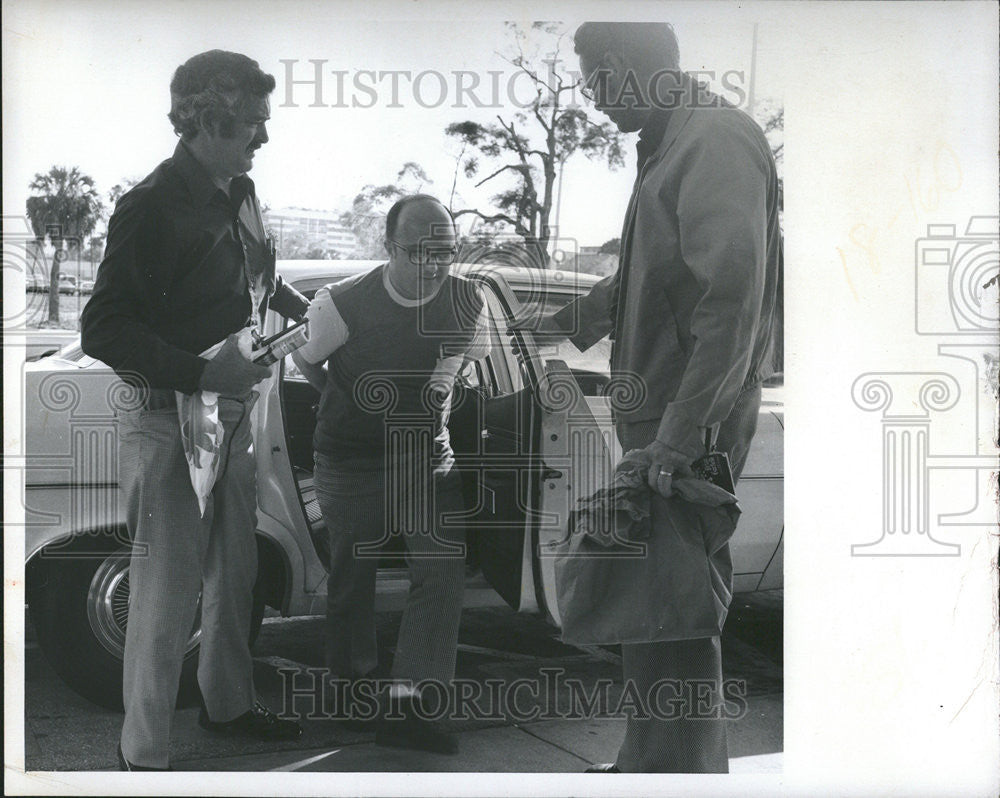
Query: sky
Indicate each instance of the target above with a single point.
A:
(91, 90)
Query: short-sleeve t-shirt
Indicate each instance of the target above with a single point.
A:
(391, 365)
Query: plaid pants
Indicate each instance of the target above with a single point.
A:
(176, 555)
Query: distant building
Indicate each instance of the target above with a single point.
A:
(321, 226)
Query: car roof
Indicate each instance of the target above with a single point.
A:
(309, 275)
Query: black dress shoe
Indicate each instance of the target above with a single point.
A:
(607, 767)
(258, 722)
(124, 764)
(413, 731)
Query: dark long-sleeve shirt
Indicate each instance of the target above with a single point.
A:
(175, 275)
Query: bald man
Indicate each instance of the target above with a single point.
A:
(384, 350)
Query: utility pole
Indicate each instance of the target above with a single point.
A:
(554, 240)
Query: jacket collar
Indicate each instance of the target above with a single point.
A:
(695, 95)
(197, 179)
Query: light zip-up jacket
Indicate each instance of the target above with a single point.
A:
(698, 276)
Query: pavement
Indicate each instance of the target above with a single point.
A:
(66, 732)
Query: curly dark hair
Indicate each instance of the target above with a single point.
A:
(213, 88)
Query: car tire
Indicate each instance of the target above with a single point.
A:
(80, 614)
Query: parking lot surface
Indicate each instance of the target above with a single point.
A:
(517, 731)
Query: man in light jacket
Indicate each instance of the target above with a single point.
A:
(690, 310)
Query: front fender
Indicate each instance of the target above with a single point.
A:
(55, 515)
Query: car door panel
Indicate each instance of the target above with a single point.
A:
(562, 456)
(498, 483)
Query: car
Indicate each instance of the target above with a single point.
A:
(86, 287)
(39, 343)
(35, 283)
(531, 427)
(67, 284)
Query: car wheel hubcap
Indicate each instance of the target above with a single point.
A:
(108, 602)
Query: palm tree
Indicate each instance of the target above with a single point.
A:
(64, 207)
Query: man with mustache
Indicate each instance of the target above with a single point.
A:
(188, 264)
(690, 311)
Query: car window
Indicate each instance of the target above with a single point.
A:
(592, 367)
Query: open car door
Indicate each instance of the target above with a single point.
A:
(539, 449)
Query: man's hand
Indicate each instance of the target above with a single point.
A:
(545, 328)
(664, 464)
(229, 373)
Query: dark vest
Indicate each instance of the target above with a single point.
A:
(380, 375)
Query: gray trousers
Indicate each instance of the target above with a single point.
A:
(358, 511)
(177, 554)
(694, 744)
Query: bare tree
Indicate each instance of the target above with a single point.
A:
(533, 145)
(366, 218)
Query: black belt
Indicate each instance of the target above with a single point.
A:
(166, 399)
(160, 399)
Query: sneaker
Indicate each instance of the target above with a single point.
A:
(258, 722)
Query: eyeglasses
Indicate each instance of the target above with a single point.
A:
(599, 77)
(588, 87)
(428, 252)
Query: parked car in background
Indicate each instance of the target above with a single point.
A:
(532, 431)
(86, 287)
(67, 284)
